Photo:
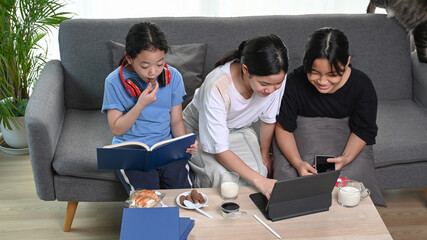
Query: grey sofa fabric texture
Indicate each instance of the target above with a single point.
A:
(83, 163)
(419, 73)
(65, 125)
(44, 118)
(402, 133)
(328, 136)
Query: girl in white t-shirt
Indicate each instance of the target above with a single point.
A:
(246, 86)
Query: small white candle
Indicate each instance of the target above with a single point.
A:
(349, 196)
(229, 189)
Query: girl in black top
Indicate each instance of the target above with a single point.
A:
(328, 108)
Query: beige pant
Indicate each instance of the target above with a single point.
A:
(206, 169)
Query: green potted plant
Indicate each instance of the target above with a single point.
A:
(24, 23)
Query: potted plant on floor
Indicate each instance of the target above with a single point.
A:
(24, 23)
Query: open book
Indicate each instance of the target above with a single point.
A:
(138, 156)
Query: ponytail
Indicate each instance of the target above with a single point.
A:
(235, 54)
(263, 55)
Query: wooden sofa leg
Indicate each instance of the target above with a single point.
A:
(425, 190)
(69, 216)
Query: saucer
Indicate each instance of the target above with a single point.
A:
(198, 205)
(10, 150)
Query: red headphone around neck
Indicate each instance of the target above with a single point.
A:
(135, 89)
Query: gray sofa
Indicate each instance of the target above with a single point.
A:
(65, 125)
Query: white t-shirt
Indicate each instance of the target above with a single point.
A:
(221, 109)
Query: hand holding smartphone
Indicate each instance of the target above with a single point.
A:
(322, 165)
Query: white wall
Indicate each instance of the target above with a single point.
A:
(216, 8)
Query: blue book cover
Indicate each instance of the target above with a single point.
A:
(150, 223)
(185, 227)
(138, 156)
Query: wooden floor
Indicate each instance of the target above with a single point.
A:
(24, 216)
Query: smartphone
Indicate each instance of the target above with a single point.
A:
(322, 165)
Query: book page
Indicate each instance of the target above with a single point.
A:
(169, 140)
(133, 145)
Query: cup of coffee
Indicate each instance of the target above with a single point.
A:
(351, 192)
(229, 185)
(229, 208)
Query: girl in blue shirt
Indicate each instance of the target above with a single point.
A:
(142, 100)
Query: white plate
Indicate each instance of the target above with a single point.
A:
(199, 205)
(9, 150)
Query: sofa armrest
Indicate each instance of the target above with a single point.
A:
(419, 74)
(44, 117)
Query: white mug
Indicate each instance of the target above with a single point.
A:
(350, 193)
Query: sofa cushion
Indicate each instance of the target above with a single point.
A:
(189, 59)
(310, 137)
(402, 133)
(82, 132)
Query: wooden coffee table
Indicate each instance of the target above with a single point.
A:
(361, 222)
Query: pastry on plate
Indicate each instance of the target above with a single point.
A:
(144, 199)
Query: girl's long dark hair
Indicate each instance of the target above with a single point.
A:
(263, 55)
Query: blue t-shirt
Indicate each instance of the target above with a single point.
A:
(153, 124)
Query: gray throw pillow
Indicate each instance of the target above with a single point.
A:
(328, 136)
(188, 59)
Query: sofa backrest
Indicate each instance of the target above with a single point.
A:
(379, 46)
